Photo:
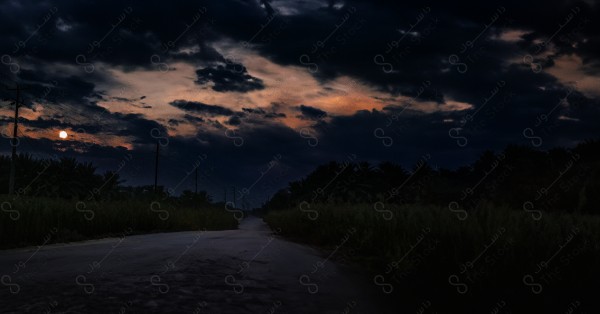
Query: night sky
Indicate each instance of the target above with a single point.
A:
(258, 93)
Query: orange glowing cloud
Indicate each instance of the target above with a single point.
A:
(289, 86)
(570, 70)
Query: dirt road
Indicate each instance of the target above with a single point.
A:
(249, 270)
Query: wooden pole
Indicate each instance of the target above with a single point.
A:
(234, 197)
(13, 160)
(156, 168)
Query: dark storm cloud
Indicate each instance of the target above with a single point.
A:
(41, 123)
(174, 122)
(231, 77)
(272, 115)
(254, 110)
(369, 30)
(98, 35)
(93, 152)
(141, 33)
(193, 119)
(88, 30)
(201, 108)
(404, 135)
(234, 120)
(46, 87)
(266, 113)
(418, 65)
(141, 130)
(311, 113)
(377, 42)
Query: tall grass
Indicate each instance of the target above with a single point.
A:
(495, 257)
(33, 221)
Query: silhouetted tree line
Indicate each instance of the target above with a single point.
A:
(63, 178)
(519, 177)
(69, 179)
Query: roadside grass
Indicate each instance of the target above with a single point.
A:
(33, 220)
(495, 259)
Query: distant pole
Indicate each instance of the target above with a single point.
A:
(234, 197)
(196, 180)
(225, 196)
(13, 160)
(156, 168)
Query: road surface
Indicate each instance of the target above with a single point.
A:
(249, 270)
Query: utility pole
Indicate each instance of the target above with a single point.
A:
(196, 190)
(13, 143)
(156, 168)
(225, 196)
(234, 196)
